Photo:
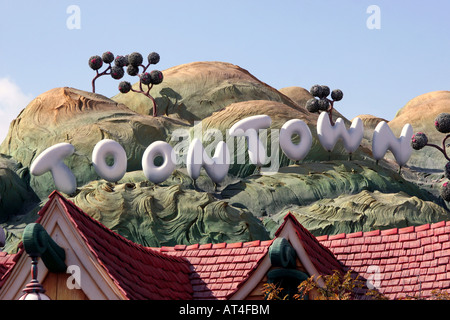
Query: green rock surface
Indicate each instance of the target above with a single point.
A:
(304, 184)
(169, 214)
(16, 197)
(364, 211)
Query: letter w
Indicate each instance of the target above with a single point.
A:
(329, 134)
(384, 140)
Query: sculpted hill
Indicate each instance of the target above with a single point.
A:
(195, 90)
(245, 206)
(421, 113)
(370, 123)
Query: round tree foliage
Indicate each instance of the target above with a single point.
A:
(124, 86)
(445, 191)
(146, 78)
(324, 104)
(153, 58)
(117, 72)
(132, 70)
(312, 105)
(447, 170)
(107, 57)
(442, 123)
(337, 95)
(325, 92)
(95, 62)
(135, 59)
(121, 61)
(157, 77)
(316, 90)
(419, 140)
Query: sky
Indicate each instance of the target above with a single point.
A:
(380, 58)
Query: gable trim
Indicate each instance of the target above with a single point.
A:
(94, 277)
(95, 280)
(255, 278)
(288, 232)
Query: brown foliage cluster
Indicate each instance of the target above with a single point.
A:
(337, 286)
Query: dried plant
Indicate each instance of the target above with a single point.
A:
(320, 102)
(133, 62)
(420, 141)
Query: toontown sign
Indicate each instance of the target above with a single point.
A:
(52, 159)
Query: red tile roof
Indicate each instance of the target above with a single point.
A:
(139, 272)
(218, 270)
(7, 262)
(409, 261)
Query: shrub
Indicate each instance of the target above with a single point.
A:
(95, 62)
(442, 123)
(108, 57)
(420, 140)
(321, 102)
(133, 62)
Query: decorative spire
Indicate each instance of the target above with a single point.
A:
(34, 290)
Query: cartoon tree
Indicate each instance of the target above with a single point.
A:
(133, 62)
(320, 102)
(420, 140)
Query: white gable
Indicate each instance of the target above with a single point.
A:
(94, 280)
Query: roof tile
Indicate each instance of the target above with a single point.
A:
(355, 234)
(192, 246)
(439, 231)
(337, 236)
(219, 245)
(252, 243)
(406, 230)
(423, 227)
(372, 233)
(389, 231)
(234, 245)
(438, 224)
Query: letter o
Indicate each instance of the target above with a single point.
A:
(291, 150)
(157, 174)
(112, 148)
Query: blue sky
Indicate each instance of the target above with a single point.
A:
(283, 43)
